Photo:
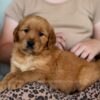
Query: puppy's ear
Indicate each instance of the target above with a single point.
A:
(52, 38)
(15, 33)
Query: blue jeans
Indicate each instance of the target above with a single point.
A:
(4, 69)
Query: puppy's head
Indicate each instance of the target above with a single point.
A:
(33, 35)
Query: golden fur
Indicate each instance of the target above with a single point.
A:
(36, 58)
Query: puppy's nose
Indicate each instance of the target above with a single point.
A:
(30, 43)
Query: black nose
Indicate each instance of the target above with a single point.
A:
(30, 43)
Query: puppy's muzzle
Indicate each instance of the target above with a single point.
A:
(30, 44)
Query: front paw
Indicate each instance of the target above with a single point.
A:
(3, 86)
(16, 83)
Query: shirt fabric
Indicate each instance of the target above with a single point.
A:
(73, 18)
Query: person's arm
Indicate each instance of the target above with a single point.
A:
(90, 48)
(6, 40)
(97, 31)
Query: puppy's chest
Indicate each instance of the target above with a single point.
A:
(30, 63)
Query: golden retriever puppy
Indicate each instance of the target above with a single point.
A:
(36, 58)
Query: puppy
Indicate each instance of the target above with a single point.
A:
(36, 58)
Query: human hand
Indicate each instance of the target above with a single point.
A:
(60, 41)
(87, 49)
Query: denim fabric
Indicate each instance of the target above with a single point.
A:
(4, 69)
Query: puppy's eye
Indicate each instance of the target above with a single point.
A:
(40, 34)
(26, 30)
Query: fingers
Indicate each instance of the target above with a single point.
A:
(82, 52)
(77, 50)
(90, 57)
(59, 46)
(60, 42)
(84, 55)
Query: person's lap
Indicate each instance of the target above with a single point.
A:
(39, 91)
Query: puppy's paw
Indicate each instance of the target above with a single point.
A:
(3, 86)
(16, 83)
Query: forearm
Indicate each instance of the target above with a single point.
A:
(5, 52)
(97, 31)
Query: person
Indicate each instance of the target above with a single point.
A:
(77, 28)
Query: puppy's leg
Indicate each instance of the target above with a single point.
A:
(88, 75)
(7, 78)
(26, 77)
(3, 83)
